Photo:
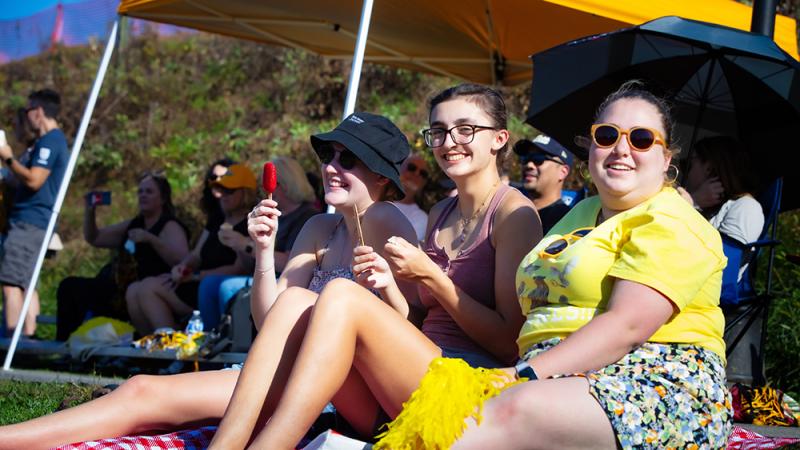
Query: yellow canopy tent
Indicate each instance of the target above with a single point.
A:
(478, 40)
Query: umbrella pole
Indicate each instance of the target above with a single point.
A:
(62, 191)
(702, 109)
(763, 21)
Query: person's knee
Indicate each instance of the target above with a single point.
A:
(139, 387)
(132, 291)
(340, 294)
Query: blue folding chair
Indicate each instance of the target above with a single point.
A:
(744, 306)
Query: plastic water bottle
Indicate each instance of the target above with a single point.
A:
(195, 324)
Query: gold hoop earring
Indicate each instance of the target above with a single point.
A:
(583, 171)
(671, 179)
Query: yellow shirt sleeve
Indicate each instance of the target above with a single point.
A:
(663, 251)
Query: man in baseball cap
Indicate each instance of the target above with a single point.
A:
(545, 165)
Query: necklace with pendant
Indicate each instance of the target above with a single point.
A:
(465, 222)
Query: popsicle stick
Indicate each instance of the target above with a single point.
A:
(358, 226)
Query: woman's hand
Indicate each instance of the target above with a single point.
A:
(141, 236)
(180, 273)
(262, 224)
(408, 261)
(233, 239)
(370, 269)
(709, 193)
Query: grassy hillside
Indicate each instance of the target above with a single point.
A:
(180, 103)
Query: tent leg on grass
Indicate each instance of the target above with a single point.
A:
(62, 191)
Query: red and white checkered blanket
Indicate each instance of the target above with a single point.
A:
(740, 439)
(180, 440)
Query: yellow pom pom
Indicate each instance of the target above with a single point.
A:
(435, 415)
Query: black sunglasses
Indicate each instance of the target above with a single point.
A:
(411, 167)
(347, 159)
(537, 158)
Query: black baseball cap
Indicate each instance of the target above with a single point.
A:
(544, 144)
(374, 139)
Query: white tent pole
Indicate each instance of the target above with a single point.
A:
(62, 191)
(358, 61)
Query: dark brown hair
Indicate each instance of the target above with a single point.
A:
(164, 189)
(488, 99)
(729, 161)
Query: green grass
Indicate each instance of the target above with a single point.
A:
(21, 401)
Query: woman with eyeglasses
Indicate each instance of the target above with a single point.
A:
(164, 301)
(622, 343)
(357, 351)
(148, 245)
(360, 167)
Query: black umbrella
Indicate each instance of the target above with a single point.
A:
(721, 81)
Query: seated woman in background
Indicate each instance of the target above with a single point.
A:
(296, 197)
(622, 346)
(322, 252)
(357, 351)
(721, 183)
(156, 240)
(165, 300)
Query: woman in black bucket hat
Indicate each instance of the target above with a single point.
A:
(358, 352)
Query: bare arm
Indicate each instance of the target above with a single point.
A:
(381, 222)
(635, 312)
(516, 231)
(111, 236)
(298, 269)
(172, 244)
(32, 178)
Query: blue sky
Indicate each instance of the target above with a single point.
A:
(12, 9)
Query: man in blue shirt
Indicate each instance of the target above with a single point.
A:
(37, 176)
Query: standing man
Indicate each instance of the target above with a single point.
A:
(414, 175)
(545, 165)
(37, 174)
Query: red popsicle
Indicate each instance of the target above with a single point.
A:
(269, 179)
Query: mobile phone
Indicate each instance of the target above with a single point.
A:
(98, 198)
(3, 141)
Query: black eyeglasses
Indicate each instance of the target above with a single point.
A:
(347, 159)
(537, 159)
(411, 167)
(559, 245)
(460, 134)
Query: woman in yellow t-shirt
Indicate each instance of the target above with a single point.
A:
(622, 344)
(623, 328)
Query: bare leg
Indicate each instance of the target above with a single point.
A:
(542, 414)
(13, 297)
(30, 318)
(142, 403)
(267, 366)
(157, 305)
(349, 328)
(133, 298)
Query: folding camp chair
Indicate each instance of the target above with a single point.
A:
(744, 306)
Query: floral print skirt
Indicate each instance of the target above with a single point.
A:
(662, 396)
